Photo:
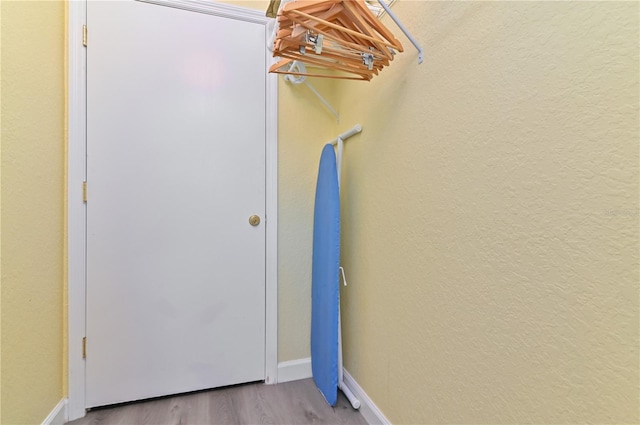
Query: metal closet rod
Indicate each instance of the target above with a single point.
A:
(404, 30)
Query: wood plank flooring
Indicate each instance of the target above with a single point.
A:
(295, 403)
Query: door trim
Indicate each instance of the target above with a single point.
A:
(76, 208)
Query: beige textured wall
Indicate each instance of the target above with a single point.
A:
(32, 209)
(490, 217)
(251, 4)
(0, 224)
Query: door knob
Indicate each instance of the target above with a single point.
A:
(254, 220)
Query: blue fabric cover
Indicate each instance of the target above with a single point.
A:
(325, 286)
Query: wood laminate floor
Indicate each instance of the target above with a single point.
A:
(295, 403)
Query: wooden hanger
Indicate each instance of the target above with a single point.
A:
(376, 24)
(345, 21)
(293, 47)
(335, 35)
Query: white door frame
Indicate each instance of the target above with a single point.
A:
(76, 208)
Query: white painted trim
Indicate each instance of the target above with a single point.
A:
(271, 220)
(58, 415)
(77, 213)
(294, 370)
(214, 8)
(368, 409)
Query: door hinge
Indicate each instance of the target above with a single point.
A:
(84, 191)
(84, 347)
(84, 35)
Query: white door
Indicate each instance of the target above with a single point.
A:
(175, 168)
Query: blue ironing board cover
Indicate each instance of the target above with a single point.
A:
(325, 293)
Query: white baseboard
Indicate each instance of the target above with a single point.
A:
(294, 370)
(368, 409)
(58, 415)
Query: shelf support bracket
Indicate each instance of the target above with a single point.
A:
(404, 30)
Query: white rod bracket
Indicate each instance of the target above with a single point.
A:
(339, 160)
(339, 143)
(355, 403)
(404, 30)
(300, 67)
(324, 101)
(352, 132)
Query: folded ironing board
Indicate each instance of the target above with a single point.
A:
(325, 286)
